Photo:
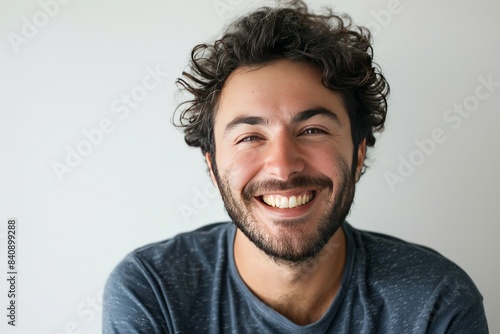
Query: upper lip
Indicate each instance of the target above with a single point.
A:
(287, 199)
(287, 193)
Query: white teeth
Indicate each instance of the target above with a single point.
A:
(286, 202)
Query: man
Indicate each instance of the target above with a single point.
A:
(284, 108)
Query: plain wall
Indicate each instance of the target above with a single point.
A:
(140, 183)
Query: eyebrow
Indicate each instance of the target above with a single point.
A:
(300, 117)
(250, 120)
(306, 114)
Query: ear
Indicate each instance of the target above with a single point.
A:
(212, 175)
(361, 158)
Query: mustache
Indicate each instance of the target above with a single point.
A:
(276, 185)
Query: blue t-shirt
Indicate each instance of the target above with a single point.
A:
(190, 284)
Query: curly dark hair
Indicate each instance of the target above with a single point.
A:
(329, 41)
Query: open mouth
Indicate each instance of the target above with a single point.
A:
(287, 202)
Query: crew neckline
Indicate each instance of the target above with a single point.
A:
(277, 318)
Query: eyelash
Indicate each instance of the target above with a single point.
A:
(248, 139)
(316, 131)
(310, 131)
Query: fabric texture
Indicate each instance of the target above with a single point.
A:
(190, 284)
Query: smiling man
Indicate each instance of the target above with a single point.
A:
(284, 108)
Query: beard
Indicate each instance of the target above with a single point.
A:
(291, 245)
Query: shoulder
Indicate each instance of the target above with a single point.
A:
(183, 251)
(415, 280)
(161, 279)
(387, 255)
(412, 286)
(397, 268)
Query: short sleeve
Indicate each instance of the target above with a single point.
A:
(131, 300)
(458, 309)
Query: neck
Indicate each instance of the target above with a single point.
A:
(302, 292)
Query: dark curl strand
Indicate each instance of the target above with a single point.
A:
(341, 51)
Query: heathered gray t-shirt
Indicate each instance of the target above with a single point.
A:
(190, 284)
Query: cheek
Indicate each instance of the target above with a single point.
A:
(331, 162)
(239, 168)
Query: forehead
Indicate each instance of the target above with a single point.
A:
(276, 91)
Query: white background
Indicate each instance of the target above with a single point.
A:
(131, 188)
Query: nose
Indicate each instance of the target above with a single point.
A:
(283, 157)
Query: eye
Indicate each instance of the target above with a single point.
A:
(248, 139)
(313, 131)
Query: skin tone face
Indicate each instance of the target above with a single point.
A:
(284, 156)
